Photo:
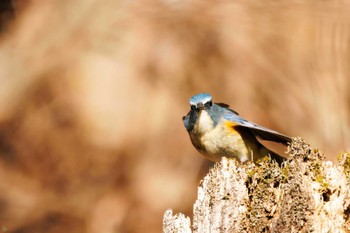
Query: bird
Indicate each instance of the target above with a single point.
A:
(217, 131)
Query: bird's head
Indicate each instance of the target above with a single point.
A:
(199, 103)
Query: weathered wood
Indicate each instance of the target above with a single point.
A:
(176, 223)
(306, 194)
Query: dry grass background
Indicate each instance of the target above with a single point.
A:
(92, 94)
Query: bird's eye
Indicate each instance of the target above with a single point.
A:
(193, 107)
(208, 104)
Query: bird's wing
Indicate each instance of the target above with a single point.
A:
(257, 130)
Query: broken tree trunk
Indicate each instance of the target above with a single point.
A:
(306, 194)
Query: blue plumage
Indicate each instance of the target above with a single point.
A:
(200, 99)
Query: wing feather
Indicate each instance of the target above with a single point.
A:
(257, 130)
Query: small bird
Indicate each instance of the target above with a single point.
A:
(217, 131)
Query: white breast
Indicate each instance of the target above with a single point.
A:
(218, 141)
(204, 124)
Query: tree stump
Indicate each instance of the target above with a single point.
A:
(305, 194)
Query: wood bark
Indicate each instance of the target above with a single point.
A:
(305, 194)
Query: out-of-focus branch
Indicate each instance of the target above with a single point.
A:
(306, 194)
(6, 13)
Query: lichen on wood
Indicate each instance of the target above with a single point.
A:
(305, 194)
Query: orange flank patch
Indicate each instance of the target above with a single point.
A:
(231, 126)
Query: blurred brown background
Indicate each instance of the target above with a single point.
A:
(92, 94)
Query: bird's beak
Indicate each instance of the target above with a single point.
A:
(200, 106)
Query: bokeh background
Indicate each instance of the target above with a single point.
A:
(92, 95)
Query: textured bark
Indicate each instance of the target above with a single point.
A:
(306, 194)
(178, 223)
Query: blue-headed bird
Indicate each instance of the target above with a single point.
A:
(216, 131)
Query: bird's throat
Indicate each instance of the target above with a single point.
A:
(204, 123)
